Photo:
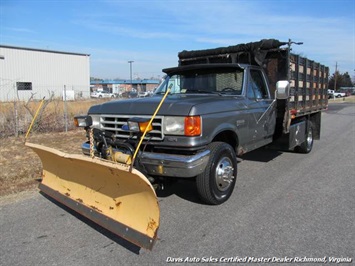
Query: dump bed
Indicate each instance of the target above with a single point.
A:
(308, 79)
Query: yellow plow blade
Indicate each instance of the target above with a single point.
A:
(105, 192)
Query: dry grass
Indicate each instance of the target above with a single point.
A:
(21, 168)
(52, 118)
(349, 99)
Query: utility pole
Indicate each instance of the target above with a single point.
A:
(130, 71)
(335, 76)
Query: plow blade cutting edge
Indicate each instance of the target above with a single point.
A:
(105, 192)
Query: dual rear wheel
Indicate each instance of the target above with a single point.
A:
(307, 145)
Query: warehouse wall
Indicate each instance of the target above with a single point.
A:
(49, 72)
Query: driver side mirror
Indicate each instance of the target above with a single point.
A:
(282, 90)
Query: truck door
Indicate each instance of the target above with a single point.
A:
(262, 105)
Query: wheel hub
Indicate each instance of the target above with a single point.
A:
(224, 174)
(309, 138)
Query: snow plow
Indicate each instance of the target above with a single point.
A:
(108, 193)
(105, 188)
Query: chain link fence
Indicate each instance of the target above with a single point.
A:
(59, 106)
(22, 91)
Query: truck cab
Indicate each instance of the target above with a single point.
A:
(239, 91)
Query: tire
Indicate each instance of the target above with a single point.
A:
(307, 145)
(211, 186)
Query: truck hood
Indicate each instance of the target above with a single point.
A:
(178, 104)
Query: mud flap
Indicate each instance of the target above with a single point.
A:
(105, 192)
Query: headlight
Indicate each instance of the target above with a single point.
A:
(83, 121)
(184, 126)
(95, 121)
(174, 125)
(87, 121)
(137, 124)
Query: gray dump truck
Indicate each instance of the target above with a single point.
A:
(222, 103)
(217, 104)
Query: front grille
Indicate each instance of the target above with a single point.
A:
(114, 123)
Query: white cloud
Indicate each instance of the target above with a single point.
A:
(152, 32)
(19, 30)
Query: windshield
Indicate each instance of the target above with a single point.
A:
(221, 81)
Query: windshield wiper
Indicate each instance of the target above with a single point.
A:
(202, 91)
(162, 92)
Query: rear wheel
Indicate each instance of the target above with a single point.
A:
(215, 185)
(307, 145)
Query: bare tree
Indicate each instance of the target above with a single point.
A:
(39, 118)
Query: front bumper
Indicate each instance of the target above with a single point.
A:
(169, 165)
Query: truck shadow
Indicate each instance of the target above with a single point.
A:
(262, 155)
(115, 238)
(182, 188)
(186, 188)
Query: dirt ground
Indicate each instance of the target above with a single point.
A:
(21, 168)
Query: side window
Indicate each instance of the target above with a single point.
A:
(250, 92)
(257, 87)
(175, 82)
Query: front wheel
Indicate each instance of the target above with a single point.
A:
(307, 145)
(215, 185)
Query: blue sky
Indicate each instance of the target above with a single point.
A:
(152, 32)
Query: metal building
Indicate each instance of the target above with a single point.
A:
(26, 72)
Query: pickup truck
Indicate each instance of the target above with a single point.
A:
(102, 94)
(338, 94)
(221, 103)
